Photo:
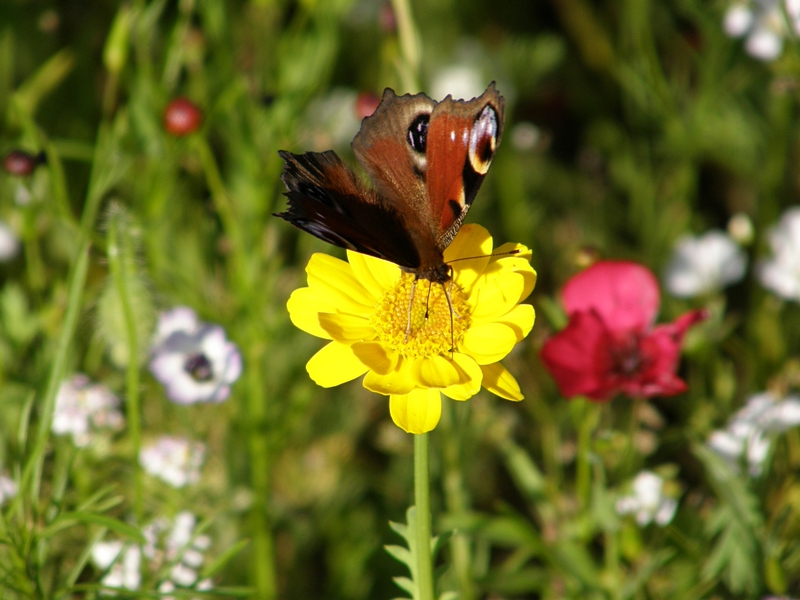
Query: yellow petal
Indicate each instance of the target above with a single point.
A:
(498, 380)
(496, 296)
(304, 307)
(464, 391)
(380, 273)
(347, 328)
(334, 364)
(519, 263)
(416, 412)
(520, 319)
(475, 243)
(488, 342)
(334, 280)
(376, 356)
(399, 381)
(436, 372)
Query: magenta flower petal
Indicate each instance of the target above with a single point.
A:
(610, 345)
(624, 294)
(576, 360)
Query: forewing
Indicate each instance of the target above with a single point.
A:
(327, 200)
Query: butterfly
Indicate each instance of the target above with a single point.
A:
(425, 161)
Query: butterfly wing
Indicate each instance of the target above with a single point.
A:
(391, 146)
(327, 200)
(429, 159)
(462, 139)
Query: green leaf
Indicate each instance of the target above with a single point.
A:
(69, 519)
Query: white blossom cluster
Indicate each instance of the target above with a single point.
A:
(175, 460)
(763, 24)
(647, 502)
(747, 435)
(170, 546)
(704, 264)
(82, 406)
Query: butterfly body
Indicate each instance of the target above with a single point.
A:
(425, 160)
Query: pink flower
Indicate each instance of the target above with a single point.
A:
(610, 344)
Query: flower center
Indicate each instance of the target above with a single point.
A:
(199, 367)
(434, 329)
(627, 356)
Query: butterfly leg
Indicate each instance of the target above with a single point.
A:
(410, 305)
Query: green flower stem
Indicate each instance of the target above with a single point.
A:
(263, 563)
(457, 501)
(118, 257)
(587, 422)
(422, 499)
(33, 258)
(33, 468)
(408, 67)
(225, 210)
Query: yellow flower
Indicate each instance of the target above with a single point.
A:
(363, 308)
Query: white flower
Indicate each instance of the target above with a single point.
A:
(704, 264)
(8, 488)
(781, 273)
(648, 501)
(194, 360)
(747, 433)
(331, 120)
(171, 546)
(461, 81)
(174, 460)
(122, 563)
(9, 243)
(82, 405)
(525, 136)
(763, 24)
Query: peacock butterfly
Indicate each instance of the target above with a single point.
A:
(426, 161)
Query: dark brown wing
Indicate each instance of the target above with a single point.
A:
(391, 146)
(327, 200)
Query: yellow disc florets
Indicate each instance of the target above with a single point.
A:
(433, 330)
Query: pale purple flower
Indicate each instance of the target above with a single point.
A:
(82, 406)
(176, 461)
(781, 273)
(704, 264)
(648, 502)
(194, 360)
(748, 432)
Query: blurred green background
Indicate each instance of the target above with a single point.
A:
(628, 124)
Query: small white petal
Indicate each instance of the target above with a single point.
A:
(183, 575)
(700, 265)
(9, 243)
(738, 20)
(764, 44)
(105, 553)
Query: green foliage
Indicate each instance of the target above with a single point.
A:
(628, 125)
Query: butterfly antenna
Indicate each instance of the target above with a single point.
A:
(410, 305)
(509, 253)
